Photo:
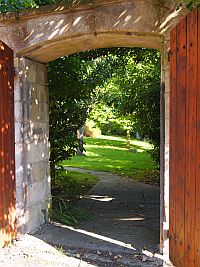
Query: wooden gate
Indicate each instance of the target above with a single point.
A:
(7, 146)
(184, 230)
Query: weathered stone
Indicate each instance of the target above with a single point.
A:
(18, 111)
(39, 170)
(101, 24)
(20, 205)
(167, 106)
(32, 151)
(18, 132)
(41, 75)
(37, 192)
(34, 217)
(166, 131)
(37, 151)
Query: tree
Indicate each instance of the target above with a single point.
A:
(132, 93)
(74, 89)
(16, 5)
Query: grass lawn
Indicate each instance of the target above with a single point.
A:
(109, 153)
(70, 186)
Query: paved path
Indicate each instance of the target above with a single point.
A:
(125, 220)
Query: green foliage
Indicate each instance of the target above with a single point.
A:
(141, 97)
(69, 188)
(109, 120)
(190, 4)
(16, 5)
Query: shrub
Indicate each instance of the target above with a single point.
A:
(90, 129)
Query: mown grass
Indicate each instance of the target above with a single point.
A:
(108, 153)
(69, 187)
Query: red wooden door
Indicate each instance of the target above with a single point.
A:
(7, 146)
(184, 230)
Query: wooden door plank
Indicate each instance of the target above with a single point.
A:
(197, 222)
(180, 140)
(7, 154)
(6, 144)
(3, 129)
(1, 152)
(190, 208)
(172, 138)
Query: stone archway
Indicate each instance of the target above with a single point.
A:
(41, 35)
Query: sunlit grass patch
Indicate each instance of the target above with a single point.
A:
(110, 153)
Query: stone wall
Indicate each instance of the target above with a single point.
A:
(165, 179)
(32, 146)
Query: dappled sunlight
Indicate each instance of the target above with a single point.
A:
(92, 154)
(107, 147)
(152, 255)
(97, 236)
(109, 154)
(130, 219)
(99, 198)
(166, 23)
(120, 142)
(71, 28)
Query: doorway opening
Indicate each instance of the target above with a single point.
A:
(125, 211)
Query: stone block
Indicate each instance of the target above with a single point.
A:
(33, 93)
(166, 162)
(167, 105)
(34, 217)
(20, 197)
(34, 111)
(18, 111)
(167, 80)
(17, 89)
(19, 209)
(41, 74)
(47, 208)
(19, 174)
(166, 131)
(38, 111)
(18, 132)
(30, 71)
(19, 169)
(18, 154)
(37, 192)
(37, 132)
(37, 151)
(43, 93)
(39, 171)
(21, 227)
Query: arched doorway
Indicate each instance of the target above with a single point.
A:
(47, 33)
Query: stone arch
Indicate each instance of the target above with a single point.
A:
(50, 32)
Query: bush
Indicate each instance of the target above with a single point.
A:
(108, 120)
(90, 129)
